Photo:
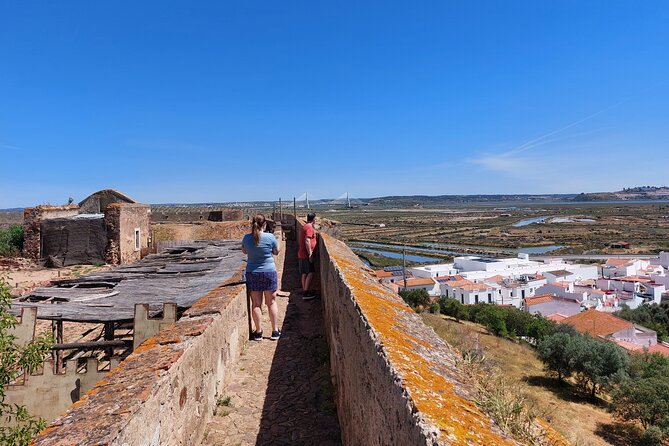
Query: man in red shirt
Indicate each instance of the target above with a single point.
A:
(305, 255)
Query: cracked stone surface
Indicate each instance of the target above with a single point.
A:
(281, 392)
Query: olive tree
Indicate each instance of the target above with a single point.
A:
(18, 425)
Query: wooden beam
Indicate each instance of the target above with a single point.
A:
(93, 345)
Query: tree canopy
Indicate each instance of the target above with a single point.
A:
(15, 360)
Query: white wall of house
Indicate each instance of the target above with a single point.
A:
(584, 272)
(440, 270)
(637, 335)
(509, 296)
(662, 280)
(656, 291)
(618, 285)
(664, 259)
(559, 290)
(565, 307)
(469, 297)
(433, 290)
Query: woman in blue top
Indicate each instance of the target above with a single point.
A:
(261, 277)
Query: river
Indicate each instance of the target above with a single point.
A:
(397, 255)
(372, 247)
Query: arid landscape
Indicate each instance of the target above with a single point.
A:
(555, 228)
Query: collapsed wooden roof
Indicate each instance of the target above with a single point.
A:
(181, 274)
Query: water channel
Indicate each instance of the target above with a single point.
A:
(533, 220)
(435, 248)
(398, 255)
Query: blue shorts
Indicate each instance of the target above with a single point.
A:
(261, 281)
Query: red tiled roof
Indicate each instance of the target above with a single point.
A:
(381, 274)
(556, 317)
(597, 323)
(617, 261)
(539, 299)
(560, 284)
(420, 281)
(660, 348)
(628, 345)
(475, 287)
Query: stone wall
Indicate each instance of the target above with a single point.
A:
(122, 219)
(389, 369)
(165, 392)
(193, 213)
(49, 393)
(32, 220)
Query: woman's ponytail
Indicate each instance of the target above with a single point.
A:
(256, 227)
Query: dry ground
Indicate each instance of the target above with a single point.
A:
(581, 421)
(645, 226)
(206, 230)
(23, 275)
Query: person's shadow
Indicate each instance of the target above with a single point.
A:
(299, 401)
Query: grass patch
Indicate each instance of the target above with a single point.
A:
(580, 420)
(224, 401)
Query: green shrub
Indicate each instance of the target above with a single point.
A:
(494, 319)
(596, 364)
(651, 437)
(416, 299)
(11, 241)
(453, 308)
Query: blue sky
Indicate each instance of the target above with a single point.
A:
(177, 101)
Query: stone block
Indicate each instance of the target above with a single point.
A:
(146, 327)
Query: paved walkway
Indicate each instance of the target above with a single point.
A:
(280, 393)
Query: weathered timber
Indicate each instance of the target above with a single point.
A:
(181, 275)
(92, 345)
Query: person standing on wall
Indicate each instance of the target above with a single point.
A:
(305, 255)
(261, 276)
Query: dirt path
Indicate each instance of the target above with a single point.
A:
(280, 393)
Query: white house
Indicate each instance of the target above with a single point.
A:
(563, 289)
(637, 286)
(427, 283)
(468, 292)
(440, 270)
(550, 305)
(617, 267)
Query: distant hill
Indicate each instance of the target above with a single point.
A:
(633, 193)
(444, 200)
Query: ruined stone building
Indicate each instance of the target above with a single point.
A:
(106, 227)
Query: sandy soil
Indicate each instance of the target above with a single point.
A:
(207, 230)
(29, 276)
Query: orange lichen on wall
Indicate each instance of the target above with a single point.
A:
(459, 420)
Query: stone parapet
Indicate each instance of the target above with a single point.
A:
(396, 381)
(165, 392)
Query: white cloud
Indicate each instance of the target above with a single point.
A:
(502, 163)
(9, 147)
